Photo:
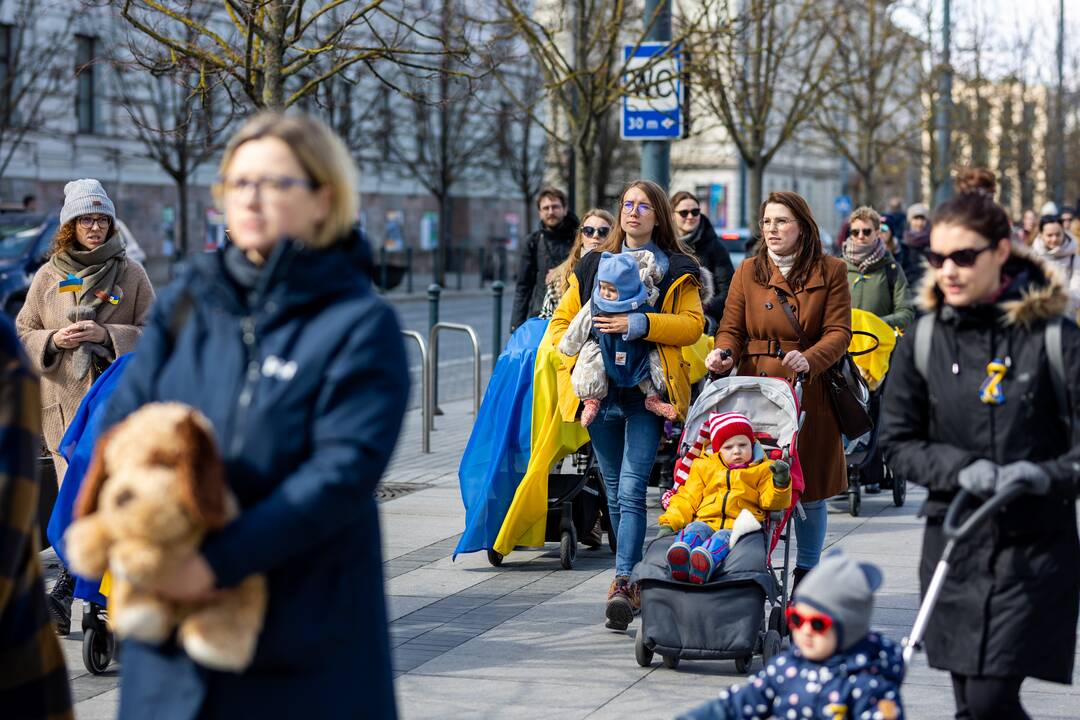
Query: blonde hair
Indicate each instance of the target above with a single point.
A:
(565, 269)
(867, 214)
(323, 156)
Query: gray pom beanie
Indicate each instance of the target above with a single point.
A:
(843, 589)
(85, 197)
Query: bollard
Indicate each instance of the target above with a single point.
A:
(460, 267)
(433, 293)
(482, 253)
(408, 270)
(497, 291)
(382, 268)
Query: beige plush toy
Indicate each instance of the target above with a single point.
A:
(155, 487)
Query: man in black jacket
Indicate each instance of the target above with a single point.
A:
(697, 232)
(543, 251)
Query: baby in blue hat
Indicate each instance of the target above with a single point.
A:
(626, 283)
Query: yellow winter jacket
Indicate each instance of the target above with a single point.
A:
(678, 324)
(716, 495)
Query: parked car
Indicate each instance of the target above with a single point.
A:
(25, 239)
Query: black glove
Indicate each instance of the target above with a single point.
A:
(979, 478)
(664, 531)
(1032, 475)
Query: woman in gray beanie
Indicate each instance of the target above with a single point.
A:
(85, 308)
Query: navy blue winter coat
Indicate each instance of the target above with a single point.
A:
(305, 381)
(861, 682)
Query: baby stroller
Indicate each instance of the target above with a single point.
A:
(576, 500)
(865, 462)
(724, 619)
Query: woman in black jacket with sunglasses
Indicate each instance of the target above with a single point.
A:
(982, 412)
(698, 233)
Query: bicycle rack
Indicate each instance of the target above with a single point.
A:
(434, 359)
(425, 389)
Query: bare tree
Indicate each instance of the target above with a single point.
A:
(761, 68)
(519, 146)
(578, 47)
(31, 71)
(874, 106)
(278, 51)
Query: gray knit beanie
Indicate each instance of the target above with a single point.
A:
(918, 210)
(85, 197)
(843, 589)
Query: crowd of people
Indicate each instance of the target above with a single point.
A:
(280, 342)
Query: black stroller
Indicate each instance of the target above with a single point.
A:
(866, 465)
(576, 502)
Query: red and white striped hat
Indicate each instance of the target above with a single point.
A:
(724, 426)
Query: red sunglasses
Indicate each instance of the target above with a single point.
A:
(818, 623)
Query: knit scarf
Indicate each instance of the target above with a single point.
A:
(864, 257)
(784, 262)
(691, 238)
(99, 269)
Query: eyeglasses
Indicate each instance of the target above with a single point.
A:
(271, 185)
(600, 232)
(818, 623)
(961, 258)
(865, 232)
(642, 208)
(778, 223)
(88, 221)
(689, 213)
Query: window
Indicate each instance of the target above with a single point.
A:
(86, 79)
(7, 74)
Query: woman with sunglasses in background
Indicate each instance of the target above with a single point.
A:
(594, 230)
(697, 232)
(625, 435)
(978, 410)
(878, 284)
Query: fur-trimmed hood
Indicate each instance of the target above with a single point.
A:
(1037, 291)
(708, 285)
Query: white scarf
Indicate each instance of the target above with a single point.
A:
(783, 262)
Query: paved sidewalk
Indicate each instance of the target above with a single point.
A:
(527, 640)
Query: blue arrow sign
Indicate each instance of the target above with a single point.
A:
(652, 103)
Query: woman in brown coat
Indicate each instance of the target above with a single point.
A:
(790, 262)
(85, 308)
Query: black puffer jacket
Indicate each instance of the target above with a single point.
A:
(1009, 605)
(714, 258)
(543, 250)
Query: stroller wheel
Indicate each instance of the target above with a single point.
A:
(568, 549)
(776, 620)
(854, 501)
(642, 654)
(899, 490)
(742, 664)
(770, 646)
(98, 648)
(494, 558)
(671, 661)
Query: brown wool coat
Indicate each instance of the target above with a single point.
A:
(753, 317)
(45, 312)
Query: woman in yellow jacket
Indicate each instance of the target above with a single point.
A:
(625, 435)
(720, 486)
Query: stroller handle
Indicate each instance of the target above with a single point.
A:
(953, 529)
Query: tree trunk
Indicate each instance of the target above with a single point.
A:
(182, 244)
(273, 89)
(442, 252)
(583, 171)
(756, 173)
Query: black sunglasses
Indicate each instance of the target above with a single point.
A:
(961, 258)
(865, 232)
(600, 232)
(689, 213)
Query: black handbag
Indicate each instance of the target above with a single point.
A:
(846, 388)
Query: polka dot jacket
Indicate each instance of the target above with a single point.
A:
(862, 683)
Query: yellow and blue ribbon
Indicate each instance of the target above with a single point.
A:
(991, 392)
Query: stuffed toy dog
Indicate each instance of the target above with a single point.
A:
(155, 488)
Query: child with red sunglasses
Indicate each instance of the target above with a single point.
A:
(837, 667)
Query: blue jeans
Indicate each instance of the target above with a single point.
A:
(810, 533)
(624, 437)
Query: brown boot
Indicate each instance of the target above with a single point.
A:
(620, 607)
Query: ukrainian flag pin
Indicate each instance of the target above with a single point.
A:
(70, 284)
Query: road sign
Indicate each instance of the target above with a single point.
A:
(842, 205)
(652, 104)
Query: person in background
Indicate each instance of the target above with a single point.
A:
(1067, 218)
(299, 365)
(1058, 247)
(915, 240)
(877, 282)
(541, 253)
(697, 232)
(595, 227)
(33, 677)
(29, 203)
(896, 218)
(889, 239)
(1028, 228)
(85, 308)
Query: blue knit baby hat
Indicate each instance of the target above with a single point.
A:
(620, 270)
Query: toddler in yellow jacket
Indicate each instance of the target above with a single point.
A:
(720, 486)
